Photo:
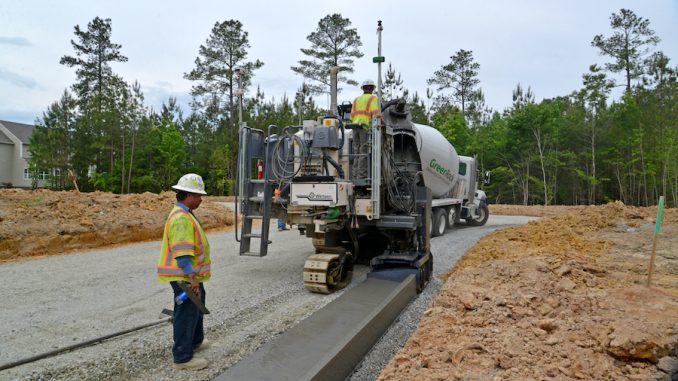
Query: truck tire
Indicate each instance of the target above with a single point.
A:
(439, 223)
(453, 216)
(481, 218)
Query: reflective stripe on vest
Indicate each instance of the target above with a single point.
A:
(181, 246)
(362, 110)
(172, 271)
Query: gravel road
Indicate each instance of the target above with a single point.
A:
(58, 301)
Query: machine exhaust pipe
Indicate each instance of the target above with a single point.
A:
(333, 90)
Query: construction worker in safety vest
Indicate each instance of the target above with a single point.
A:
(366, 105)
(364, 108)
(185, 257)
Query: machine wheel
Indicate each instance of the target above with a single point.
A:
(452, 216)
(439, 223)
(481, 218)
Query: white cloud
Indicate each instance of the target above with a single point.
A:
(18, 41)
(16, 79)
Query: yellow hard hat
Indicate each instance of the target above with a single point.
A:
(190, 183)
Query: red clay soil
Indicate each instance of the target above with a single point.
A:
(562, 298)
(43, 222)
(532, 210)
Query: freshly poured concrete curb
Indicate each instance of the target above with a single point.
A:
(330, 343)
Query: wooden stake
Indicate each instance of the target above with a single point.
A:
(73, 180)
(657, 226)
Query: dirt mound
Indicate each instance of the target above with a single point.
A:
(43, 222)
(531, 210)
(567, 235)
(560, 298)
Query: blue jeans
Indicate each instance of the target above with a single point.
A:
(187, 326)
(281, 224)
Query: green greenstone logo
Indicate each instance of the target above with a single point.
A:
(439, 169)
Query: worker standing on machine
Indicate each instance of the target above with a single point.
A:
(366, 105)
(364, 108)
(185, 257)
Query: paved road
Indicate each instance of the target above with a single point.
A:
(58, 301)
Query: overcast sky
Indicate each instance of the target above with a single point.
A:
(542, 44)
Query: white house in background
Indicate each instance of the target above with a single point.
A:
(14, 140)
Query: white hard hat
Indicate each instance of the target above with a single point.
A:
(367, 82)
(190, 183)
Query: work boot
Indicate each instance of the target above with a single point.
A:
(204, 345)
(196, 363)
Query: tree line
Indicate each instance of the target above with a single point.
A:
(578, 148)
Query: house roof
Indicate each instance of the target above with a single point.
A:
(21, 131)
(4, 139)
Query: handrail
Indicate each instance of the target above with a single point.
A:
(239, 187)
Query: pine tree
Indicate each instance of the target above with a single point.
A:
(418, 110)
(393, 85)
(94, 52)
(133, 110)
(99, 92)
(659, 105)
(596, 90)
(224, 53)
(334, 43)
(629, 44)
(461, 75)
(51, 142)
(220, 67)
(522, 97)
(477, 112)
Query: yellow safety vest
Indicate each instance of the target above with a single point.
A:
(364, 108)
(183, 236)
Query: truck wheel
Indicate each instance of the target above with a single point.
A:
(439, 222)
(481, 218)
(452, 216)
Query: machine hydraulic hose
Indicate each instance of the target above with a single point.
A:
(81, 345)
(328, 159)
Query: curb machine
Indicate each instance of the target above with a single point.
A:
(363, 194)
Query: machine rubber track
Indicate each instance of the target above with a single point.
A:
(324, 273)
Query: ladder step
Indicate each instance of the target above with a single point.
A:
(251, 254)
(257, 181)
(256, 199)
(253, 217)
(256, 235)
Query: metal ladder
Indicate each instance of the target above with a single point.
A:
(255, 194)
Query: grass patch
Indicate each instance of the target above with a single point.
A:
(33, 201)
